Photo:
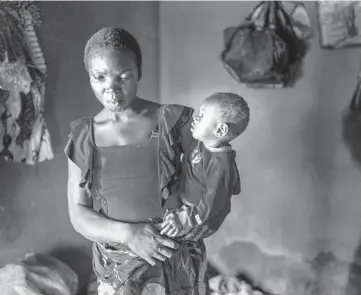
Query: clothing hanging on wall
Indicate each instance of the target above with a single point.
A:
(25, 137)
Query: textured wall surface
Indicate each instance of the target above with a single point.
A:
(298, 218)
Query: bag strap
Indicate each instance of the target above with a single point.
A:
(271, 16)
(250, 16)
(285, 15)
(355, 103)
(268, 13)
(295, 6)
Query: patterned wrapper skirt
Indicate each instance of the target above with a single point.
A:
(120, 272)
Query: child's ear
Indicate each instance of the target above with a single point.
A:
(222, 130)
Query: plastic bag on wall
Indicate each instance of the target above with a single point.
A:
(221, 285)
(38, 275)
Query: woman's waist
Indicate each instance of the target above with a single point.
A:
(138, 205)
(128, 188)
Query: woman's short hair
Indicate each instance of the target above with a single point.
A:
(113, 39)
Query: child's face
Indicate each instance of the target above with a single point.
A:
(205, 124)
(113, 78)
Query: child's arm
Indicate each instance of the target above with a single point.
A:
(171, 229)
(222, 181)
(209, 227)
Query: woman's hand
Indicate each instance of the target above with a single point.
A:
(149, 245)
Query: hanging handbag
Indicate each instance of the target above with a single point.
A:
(261, 51)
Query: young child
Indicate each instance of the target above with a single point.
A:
(209, 172)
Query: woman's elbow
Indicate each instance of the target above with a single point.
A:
(74, 220)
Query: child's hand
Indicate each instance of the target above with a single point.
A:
(172, 226)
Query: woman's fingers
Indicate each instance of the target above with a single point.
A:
(166, 252)
(150, 260)
(159, 256)
(151, 246)
(168, 243)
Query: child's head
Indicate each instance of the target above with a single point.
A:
(222, 117)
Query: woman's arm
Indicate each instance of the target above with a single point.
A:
(85, 220)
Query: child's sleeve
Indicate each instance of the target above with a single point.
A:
(210, 226)
(222, 181)
(215, 222)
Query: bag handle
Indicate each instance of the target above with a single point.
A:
(268, 13)
(271, 17)
(282, 12)
(250, 16)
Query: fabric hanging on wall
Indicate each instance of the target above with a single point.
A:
(25, 137)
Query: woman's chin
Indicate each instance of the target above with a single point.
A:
(114, 108)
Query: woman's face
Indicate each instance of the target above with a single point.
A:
(114, 78)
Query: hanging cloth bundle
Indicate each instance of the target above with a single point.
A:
(13, 56)
(355, 104)
(351, 123)
(261, 51)
(25, 137)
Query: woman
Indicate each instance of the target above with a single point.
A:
(122, 165)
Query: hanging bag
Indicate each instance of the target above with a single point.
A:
(355, 104)
(261, 51)
(351, 123)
